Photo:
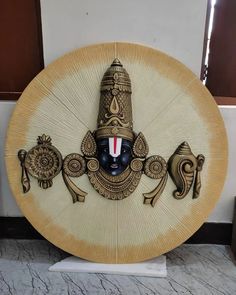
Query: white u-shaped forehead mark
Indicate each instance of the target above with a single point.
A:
(115, 146)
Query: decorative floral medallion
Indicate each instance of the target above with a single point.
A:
(136, 165)
(155, 167)
(74, 165)
(93, 165)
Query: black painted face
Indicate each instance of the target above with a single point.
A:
(114, 165)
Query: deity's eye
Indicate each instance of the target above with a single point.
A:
(105, 150)
(124, 149)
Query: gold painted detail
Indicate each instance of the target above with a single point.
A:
(77, 194)
(25, 181)
(44, 162)
(197, 183)
(115, 131)
(136, 165)
(93, 165)
(88, 146)
(155, 167)
(182, 166)
(44, 139)
(115, 109)
(152, 197)
(74, 165)
(115, 187)
(140, 147)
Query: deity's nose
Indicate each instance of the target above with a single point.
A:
(114, 159)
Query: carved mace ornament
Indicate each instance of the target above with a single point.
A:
(114, 156)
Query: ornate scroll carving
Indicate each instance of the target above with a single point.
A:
(88, 146)
(93, 165)
(182, 166)
(152, 197)
(155, 167)
(25, 181)
(197, 183)
(136, 165)
(140, 147)
(77, 194)
(74, 165)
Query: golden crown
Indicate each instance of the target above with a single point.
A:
(115, 109)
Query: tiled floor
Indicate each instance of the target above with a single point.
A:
(192, 269)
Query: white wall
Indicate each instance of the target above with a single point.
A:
(223, 211)
(224, 208)
(8, 205)
(175, 27)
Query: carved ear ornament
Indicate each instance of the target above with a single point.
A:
(88, 146)
(44, 161)
(140, 147)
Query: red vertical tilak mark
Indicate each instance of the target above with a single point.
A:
(115, 143)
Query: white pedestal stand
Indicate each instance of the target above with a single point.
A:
(151, 268)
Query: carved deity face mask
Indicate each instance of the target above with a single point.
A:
(114, 154)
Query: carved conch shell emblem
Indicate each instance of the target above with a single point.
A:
(182, 167)
(114, 157)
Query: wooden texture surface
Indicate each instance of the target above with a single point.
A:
(225, 100)
(21, 52)
(170, 105)
(222, 61)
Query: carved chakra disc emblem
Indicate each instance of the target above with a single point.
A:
(43, 162)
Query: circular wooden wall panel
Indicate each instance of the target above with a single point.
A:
(170, 105)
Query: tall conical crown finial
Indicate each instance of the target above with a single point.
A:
(116, 62)
(115, 110)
